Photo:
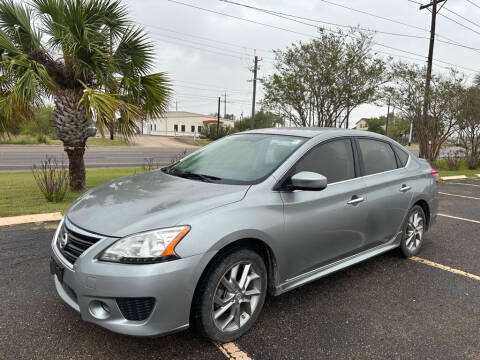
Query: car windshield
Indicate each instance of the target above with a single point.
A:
(237, 159)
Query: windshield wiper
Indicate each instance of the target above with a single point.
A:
(201, 177)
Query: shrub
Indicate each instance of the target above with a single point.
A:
(210, 131)
(452, 161)
(51, 178)
(178, 157)
(150, 164)
(42, 139)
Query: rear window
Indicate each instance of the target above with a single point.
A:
(378, 156)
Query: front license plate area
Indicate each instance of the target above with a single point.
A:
(56, 269)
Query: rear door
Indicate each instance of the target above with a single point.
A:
(388, 188)
(323, 226)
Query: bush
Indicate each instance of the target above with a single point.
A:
(42, 139)
(452, 161)
(150, 164)
(41, 124)
(210, 131)
(51, 178)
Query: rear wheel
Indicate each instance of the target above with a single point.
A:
(413, 232)
(231, 295)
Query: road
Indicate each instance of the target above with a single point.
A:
(19, 157)
(386, 307)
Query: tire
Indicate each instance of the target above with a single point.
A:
(224, 310)
(413, 235)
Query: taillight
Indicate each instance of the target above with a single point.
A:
(434, 173)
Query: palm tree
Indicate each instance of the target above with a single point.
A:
(89, 59)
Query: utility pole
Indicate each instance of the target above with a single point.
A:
(426, 100)
(218, 115)
(388, 116)
(255, 67)
(225, 106)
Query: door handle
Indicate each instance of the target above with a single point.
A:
(405, 188)
(355, 200)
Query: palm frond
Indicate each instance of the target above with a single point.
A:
(102, 107)
(16, 21)
(134, 53)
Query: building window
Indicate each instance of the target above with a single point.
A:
(199, 128)
(150, 127)
(155, 127)
(183, 128)
(175, 128)
(192, 128)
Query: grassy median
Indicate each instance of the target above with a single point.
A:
(20, 194)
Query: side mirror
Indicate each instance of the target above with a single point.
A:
(307, 180)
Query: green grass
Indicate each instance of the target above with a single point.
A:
(441, 166)
(203, 142)
(21, 196)
(34, 140)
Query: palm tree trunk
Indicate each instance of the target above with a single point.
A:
(72, 128)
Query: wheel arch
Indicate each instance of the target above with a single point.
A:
(426, 209)
(255, 244)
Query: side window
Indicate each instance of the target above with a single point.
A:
(402, 156)
(183, 128)
(334, 160)
(378, 156)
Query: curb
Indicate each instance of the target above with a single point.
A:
(456, 177)
(25, 219)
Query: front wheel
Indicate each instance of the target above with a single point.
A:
(231, 295)
(413, 232)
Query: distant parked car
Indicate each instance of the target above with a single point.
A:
(203, 241)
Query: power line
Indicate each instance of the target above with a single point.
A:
(373, 42)
(210, 86)
(205, 38)
(461, 16)
(385, 18)
(449, 18)
(471, 2)
(374, 31)
(273, 12)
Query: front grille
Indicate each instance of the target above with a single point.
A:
(136, 309)
(76, 243)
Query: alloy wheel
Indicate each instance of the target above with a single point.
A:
(415, 231)
(236, 297)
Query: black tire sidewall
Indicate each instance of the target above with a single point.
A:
(203, 310)
(403, 244)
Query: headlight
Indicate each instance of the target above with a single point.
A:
(145, 248)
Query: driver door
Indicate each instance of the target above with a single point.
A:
(327, 225)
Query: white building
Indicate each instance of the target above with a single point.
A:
(180, 123)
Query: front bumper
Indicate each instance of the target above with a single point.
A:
(171, 284)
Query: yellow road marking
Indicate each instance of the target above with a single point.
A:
(459, 218)
(446, 268)
(462, 196)
(232, 351)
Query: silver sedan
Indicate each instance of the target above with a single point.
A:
(203, 242)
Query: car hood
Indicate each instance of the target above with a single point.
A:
(148, 201)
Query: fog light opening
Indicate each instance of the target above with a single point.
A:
(99, 309)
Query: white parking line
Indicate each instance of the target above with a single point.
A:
(232, 351)
(457, 183)
(446, 268)
(462, 196)
(459, 218)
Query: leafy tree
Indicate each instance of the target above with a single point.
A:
(375, 124)
(469, 126)
(407, 94)
(89, 58)
(318, 83)
(263, 119)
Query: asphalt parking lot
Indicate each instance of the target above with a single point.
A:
(387, 307)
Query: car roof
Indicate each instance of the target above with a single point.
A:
(310, 132)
